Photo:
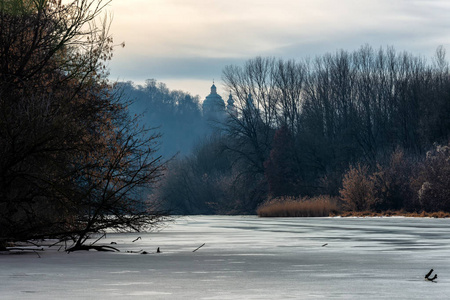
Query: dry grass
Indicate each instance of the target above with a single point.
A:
(321, 206)
(324, 206)
(397, 213)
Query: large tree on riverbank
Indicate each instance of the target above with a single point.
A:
(72, 162)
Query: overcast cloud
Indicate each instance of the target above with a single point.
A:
(186, 43)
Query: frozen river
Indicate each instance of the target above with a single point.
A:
(247, 258)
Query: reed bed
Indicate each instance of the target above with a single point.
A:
(396, 213)
(320, 206)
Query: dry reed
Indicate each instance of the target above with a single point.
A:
(396, 213)
(320, 206)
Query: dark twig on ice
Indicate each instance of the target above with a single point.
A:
(138, 238)
(32, 243)
(24, 249)
(98, 248)
(59, 241)
(432, 279)
(427, 276)
(140, 251)
(34, 250)
(199, 247)
(103, 235)
(324, 244)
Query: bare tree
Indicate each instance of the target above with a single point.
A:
(70, 158)
(252, 128)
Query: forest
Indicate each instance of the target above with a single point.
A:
(364, 130)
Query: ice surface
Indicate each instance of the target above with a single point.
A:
(246, 258)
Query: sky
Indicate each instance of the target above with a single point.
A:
(187, 43)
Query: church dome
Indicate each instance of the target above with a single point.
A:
(213, 102)
(230, 107)
(230, 100)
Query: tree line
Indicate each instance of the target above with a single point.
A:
(305, 128)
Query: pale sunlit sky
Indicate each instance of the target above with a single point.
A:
(187, 43)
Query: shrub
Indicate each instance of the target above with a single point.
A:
(205, 182)
(392, 183)
(434, 179)
(320, 206)
(358, 190)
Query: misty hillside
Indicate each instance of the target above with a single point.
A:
(176, 115)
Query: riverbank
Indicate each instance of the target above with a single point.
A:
(395, 213)
(325, 206)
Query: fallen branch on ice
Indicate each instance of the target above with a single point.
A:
(199, 247)
(98, 248)
(427, 276)
(24, 249)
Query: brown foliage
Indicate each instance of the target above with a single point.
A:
(392, 183)
(357, 191)
(394, 186)
(434, 179)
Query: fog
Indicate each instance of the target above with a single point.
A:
(174, 114)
